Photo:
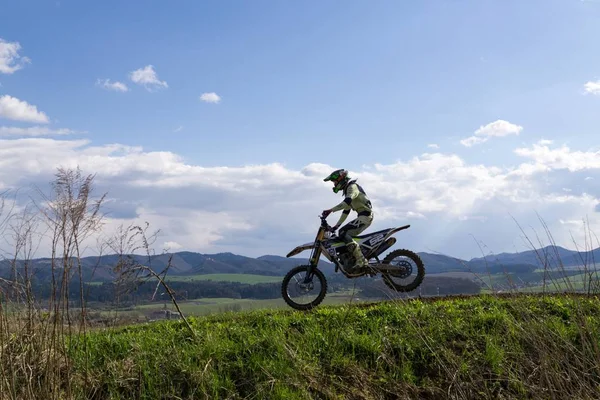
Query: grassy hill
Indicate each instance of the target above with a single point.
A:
(472, 347)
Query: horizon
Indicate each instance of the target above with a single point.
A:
(217, 124)
(322, 259)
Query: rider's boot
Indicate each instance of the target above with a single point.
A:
(360, 260)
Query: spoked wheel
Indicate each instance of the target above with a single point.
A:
(300, 295)
(410, 272)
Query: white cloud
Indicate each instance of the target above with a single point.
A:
(10, 60)
(179, 129)
(18, 110)
(147, 77)
(472, 140)
(33, 131)
(210, 97)
(115, 86)
(172, 246)
(433, 146)
(224, 208)
(499, 128)
(546, 158)
(592, 87)
(479, 218)
(571, 222)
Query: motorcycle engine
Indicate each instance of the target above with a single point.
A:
(346, 259)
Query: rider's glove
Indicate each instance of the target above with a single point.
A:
(326, 213)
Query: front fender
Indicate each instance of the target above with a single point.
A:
(300, 249)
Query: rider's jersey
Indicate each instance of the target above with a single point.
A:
(355, 199)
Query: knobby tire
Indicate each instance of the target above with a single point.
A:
(303, 307)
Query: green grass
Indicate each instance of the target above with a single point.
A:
(481, 347)
(240, 278)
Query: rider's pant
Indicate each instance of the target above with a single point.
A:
(355, 227)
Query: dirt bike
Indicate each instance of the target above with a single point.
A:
(334, 249)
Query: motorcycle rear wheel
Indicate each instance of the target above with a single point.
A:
(388, 277)
(299, 286)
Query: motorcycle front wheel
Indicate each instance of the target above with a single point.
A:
(293, 288)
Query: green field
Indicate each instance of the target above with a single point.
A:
(209, 306)
(212, 306)
(579, 282)
(240, 278)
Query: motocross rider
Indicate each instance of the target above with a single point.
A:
(355, 199)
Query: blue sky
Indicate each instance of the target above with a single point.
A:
(343, 83)
(301, 82)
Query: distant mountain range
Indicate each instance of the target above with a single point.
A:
(553, 256)
(182, 263)
(190, 263)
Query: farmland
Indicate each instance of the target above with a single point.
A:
(238, 278)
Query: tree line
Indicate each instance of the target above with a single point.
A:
(145, 291)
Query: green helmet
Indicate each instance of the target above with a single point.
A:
(340, 178)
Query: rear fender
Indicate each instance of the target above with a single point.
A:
(390, 233)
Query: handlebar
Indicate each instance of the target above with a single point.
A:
(325, 224)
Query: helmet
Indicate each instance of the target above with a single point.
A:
(340, 178)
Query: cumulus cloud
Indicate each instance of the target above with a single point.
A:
(18, 110)
(147, 77)
(33, 131)
(499, 128)
(269, 208)
(211, 97)
(592, 87)
(10, 60)
(547, 159)
(114, 86)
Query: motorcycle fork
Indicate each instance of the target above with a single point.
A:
(314, 257)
